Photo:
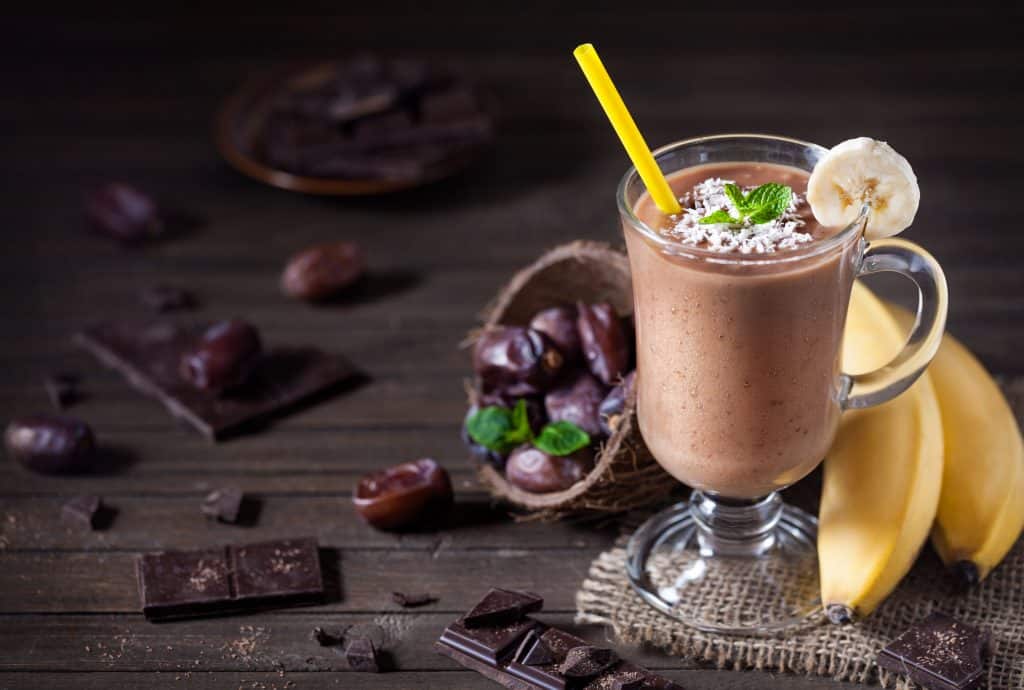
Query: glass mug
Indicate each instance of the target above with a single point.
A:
(739, 393)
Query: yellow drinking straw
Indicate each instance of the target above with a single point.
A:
(609, 98)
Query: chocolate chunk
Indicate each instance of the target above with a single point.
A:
(587, 661)
(492, 644)
(148, 356)
(534, 652)
(271, 570)
(410, 601)
(164, 298)
(62, 389)
(124, 213)
(224, 505)
(325, 638)
(629, 683)
(501, 606)
(179, 584)
(361, 655)
(83, 511)
(939, 653)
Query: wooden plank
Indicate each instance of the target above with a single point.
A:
(162, 522)
(439, 680)
(104, 582)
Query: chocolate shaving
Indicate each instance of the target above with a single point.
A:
(83, 511)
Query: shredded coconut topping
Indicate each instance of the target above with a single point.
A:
(762, 238)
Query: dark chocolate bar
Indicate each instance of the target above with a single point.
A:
(939, 653)
(181, 584)
(148, 355)
(542, 655)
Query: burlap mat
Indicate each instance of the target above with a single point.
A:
(844, 653)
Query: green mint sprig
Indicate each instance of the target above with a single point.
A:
(501, 429)
(761, 205)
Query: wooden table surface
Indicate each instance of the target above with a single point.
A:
(93, 99)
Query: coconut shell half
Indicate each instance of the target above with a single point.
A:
(625, 475)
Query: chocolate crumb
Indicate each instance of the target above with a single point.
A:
(410, 601)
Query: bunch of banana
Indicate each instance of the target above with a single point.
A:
(882, 477)
(945, 457)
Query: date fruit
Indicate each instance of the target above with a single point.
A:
(403, 495)
(518, 361)
(577, 402)
(604, 341)
(124, 213)
(224, 356)
(610, 411)
(533, 470)
(559, 325)
(322, 270)
(51, 444)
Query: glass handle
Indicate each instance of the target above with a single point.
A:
(885, 383)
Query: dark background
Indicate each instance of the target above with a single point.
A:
(90, 99)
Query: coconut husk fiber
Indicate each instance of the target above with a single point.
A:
(625, 475)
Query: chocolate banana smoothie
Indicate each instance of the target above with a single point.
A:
(739, 321)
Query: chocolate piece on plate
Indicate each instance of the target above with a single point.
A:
(62, 389)
(149, 354)
(413, 600)
(181, 584)
(361, 655)
(224, 505)
(939, 653)
(501, 606)
(83, 511)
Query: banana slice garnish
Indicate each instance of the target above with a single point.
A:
(864, 171)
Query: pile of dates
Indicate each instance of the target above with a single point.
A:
(571, 363)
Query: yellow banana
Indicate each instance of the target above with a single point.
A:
(981, 507)
(882, 475)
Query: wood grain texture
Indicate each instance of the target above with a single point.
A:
(91, 99)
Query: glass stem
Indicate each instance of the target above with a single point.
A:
(735, 527)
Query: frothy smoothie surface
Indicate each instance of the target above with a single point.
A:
(701, 191)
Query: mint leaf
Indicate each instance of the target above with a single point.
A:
(735, 195)
(719, 216)
(767, 202)
(520, 431)
(499, 428)
(561, 438)
(489, 426)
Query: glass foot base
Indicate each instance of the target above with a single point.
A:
(747, 567)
